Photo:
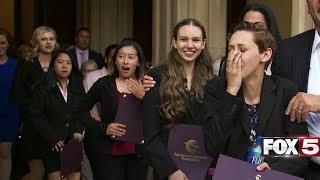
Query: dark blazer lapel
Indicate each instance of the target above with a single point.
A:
(112, 91)
(243, 115)
(95, 58)
(38, 65)
(193, 112)
(308, 45)
(72, 93)
(189, 112)
(267, 102)
(39, 70)
(91, 55)
(307, 55)
(244, 119)
(59, 96)
(73, 97)
(73, 52)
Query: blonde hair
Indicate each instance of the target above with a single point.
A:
(35, 38)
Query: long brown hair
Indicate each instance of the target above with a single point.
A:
(173, 87)
(141, 69)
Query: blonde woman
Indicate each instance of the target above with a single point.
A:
(29, 72)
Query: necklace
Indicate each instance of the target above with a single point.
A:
(45, 69)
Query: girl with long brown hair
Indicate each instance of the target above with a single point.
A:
(177, 95)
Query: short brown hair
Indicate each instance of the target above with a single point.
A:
(262, 37)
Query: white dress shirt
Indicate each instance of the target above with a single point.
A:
(64, 93)
(313, 119)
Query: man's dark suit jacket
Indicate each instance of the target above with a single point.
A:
(156, 127)
(292, 59)
(97, 57)
(227, 128)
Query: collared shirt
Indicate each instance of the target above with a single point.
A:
(93, 76)
(64, 93)
(313, 119)
(82, 56)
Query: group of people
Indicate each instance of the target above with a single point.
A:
(265, 86)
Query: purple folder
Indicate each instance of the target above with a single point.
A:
(129, 114)
(186, 148)
(71, 157)
(229, 168)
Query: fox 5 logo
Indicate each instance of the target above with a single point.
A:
(300, 146)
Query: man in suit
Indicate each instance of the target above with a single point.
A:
(298, 59)
(82, 51)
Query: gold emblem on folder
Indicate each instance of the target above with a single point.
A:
(192, 146)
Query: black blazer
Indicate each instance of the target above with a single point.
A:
(28, 74)
(155, 128)
(226, 127)
(51, 116)
(104, 92)
(97, 57)
(292, 59)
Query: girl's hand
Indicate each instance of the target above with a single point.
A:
(233, 72)
(116, 129)
(178, 175)
(58, 146)
(78, 137)
(263, 166)
(135, 88)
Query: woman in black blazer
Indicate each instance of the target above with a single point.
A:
(247, 103)
(177, 95)
(112, 159)
(51, 112)
(31, 70)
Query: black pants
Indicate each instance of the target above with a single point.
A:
(127, 167)
(313, 172)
